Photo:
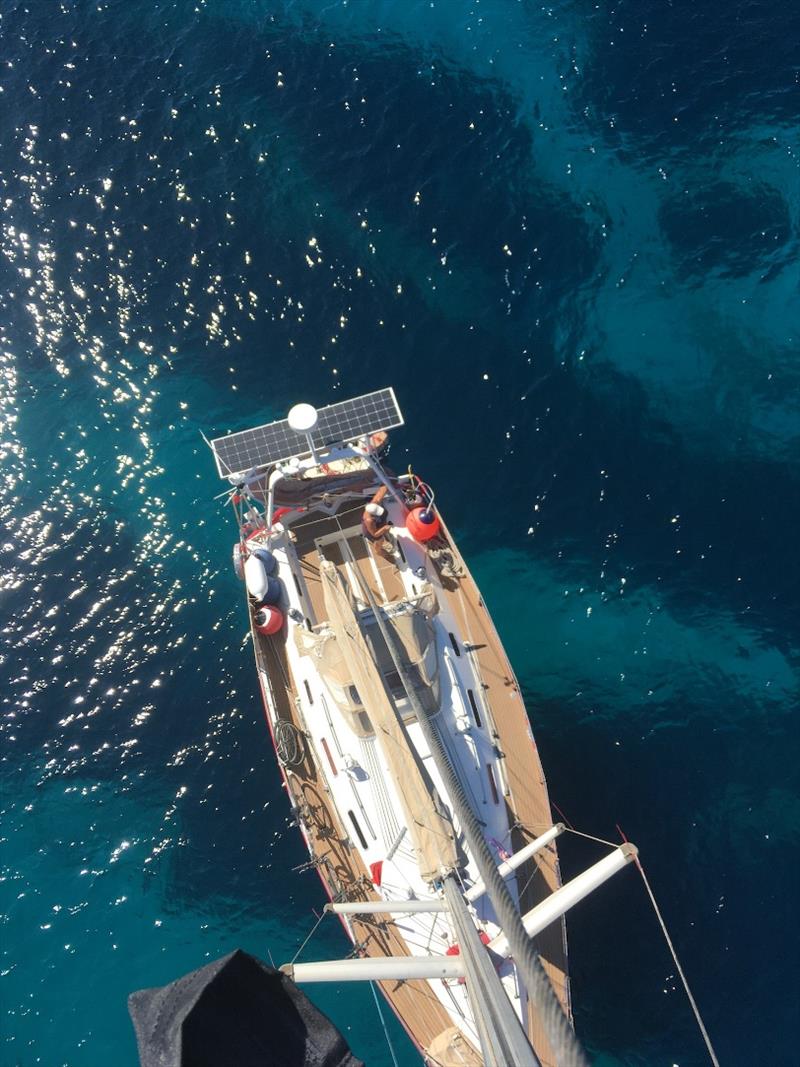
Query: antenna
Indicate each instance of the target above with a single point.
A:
(303, 419)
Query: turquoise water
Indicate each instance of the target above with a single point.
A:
(568, 236)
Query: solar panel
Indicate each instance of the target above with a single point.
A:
(238, 453)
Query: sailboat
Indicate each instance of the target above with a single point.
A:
(403, 741)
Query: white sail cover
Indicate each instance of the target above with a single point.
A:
(430, 828)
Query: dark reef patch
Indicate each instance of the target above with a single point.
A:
(723, 227)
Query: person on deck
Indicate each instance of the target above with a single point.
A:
(375, 523)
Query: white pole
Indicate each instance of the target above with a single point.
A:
(312, 450)
(377, 470)
(385, 907)
(500, 1030)
(518, 859)
(376, 969)
(395, 844)
(570, 894)
(274, 478)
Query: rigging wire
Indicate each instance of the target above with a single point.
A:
(383, 1024)
(561, 813)
(709, 1047)
(316, 924)
(590, 837)
(693, 1003)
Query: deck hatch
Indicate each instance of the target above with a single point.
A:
(238, 453)
(474, 707)
(492, 784)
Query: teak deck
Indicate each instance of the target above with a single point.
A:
(339, 865)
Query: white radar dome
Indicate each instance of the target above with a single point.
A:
(302, 418)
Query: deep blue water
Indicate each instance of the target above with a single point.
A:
(568, 235)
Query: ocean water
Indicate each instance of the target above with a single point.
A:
(568, 235)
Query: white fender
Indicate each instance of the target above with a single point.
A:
(255, 575)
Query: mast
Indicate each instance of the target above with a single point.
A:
(560, 1034)
(502, 1038)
